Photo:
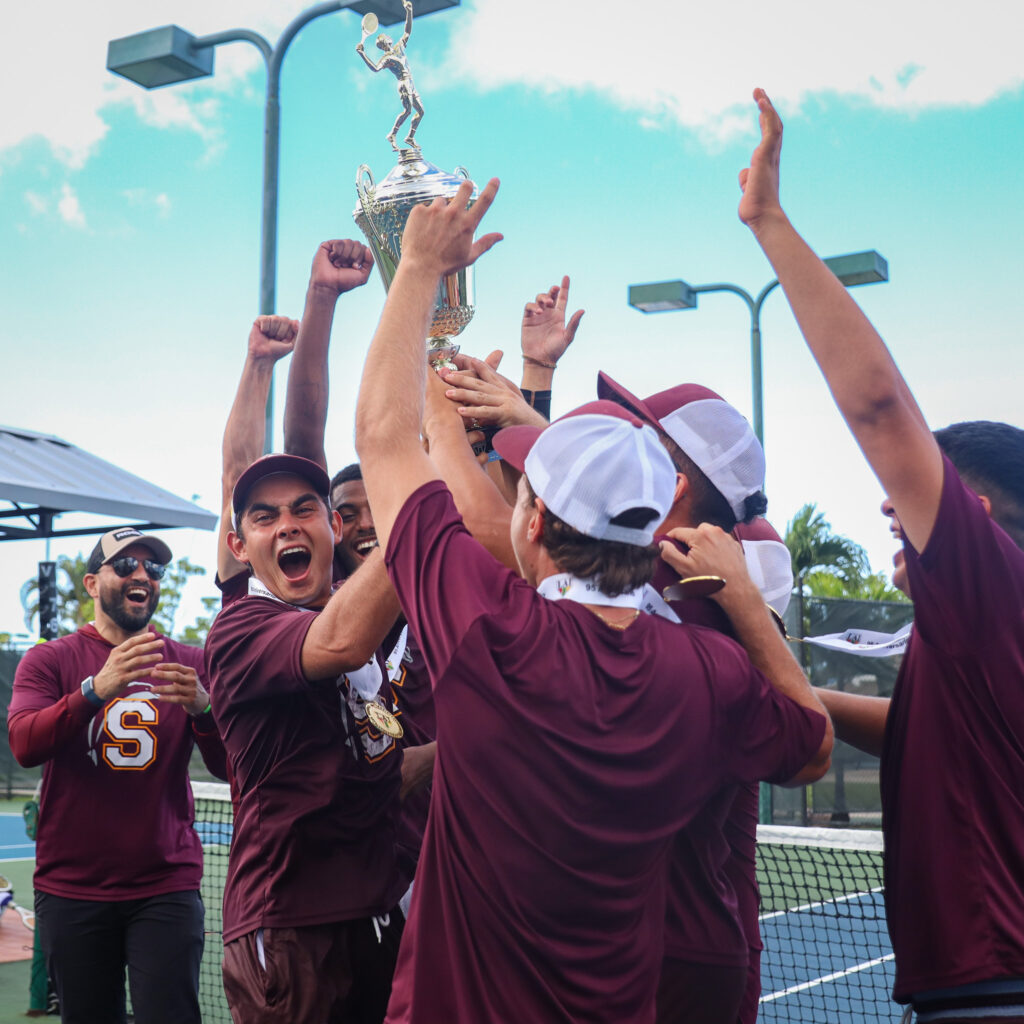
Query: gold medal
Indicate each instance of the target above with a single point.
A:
(382, 720)
(693, 586)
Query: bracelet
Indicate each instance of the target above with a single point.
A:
(540, 362)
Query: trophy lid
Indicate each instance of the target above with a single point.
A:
(414, 180)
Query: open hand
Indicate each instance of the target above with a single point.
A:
(180, 684)
(439, 236)
(760, 181)
(545, 335)
(127, 663)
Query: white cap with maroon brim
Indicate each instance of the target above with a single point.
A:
(708, 429)
(593, 465)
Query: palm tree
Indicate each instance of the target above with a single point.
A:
(816, 550)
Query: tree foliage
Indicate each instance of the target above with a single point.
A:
(827, 564)
(75, 607)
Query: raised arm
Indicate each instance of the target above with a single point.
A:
(438, 240)
(483, 509)
(271, 339)
(865, 382)
(712, 551)
(545, 336)
(361, 50)
(338, 267)
(407, 4)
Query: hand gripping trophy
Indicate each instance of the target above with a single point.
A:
(382, 209)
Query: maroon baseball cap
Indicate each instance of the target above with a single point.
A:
(707, 428)
(294, 465)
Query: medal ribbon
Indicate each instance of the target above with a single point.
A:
(563, 586)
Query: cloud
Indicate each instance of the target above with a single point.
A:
(36, 203)
(143, 197)
(673, 63)
(696, 65)
(65, 95)
(69, 208)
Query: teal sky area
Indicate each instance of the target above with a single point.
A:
(126, 322)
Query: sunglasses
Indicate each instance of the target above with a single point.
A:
(127, 564)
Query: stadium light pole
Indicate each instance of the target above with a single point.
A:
(168, 55)
(852, 269)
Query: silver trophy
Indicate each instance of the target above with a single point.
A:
(382, 209)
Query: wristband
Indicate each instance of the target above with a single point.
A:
(90, 694)
(539, 401)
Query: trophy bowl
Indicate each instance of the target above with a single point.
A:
(381, 212)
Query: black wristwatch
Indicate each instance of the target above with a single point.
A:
(90, 694)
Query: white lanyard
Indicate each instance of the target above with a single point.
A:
(864, 642)
(563, 586)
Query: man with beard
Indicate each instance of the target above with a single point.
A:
(112, 712)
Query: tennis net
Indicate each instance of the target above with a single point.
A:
(826, 959)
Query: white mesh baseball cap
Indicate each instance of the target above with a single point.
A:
(591, 466)
(768, 561)
(711, 432)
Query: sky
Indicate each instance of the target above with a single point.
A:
(130, 220)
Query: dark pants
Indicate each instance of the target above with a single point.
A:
(339, 973)
(88, 944)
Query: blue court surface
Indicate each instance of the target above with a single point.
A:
(828, 962)
(14, 844)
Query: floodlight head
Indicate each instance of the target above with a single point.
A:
(661, 296)
(161, 56)
(391, 12)
(868, 267)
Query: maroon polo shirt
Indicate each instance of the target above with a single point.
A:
(952, 768)
(316, 785)
(569, 754)
(116, 808)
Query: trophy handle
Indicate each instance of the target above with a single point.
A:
(365, 194)
(462, 172)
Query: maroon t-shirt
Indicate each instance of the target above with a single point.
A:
(952, 768)
(316, 785)
(712, 913)
(116, 809)
(569, 754)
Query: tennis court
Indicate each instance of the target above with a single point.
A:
(827, 958)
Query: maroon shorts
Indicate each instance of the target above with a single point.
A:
(339, 973)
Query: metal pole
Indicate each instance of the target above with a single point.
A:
(273, 57)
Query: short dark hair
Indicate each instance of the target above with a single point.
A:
(618, 567)
(989, 457)
(343, 476)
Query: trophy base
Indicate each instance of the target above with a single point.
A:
(441, 352)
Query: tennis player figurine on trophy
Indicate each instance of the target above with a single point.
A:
(382, 209)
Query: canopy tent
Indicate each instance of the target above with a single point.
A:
(42, 477)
